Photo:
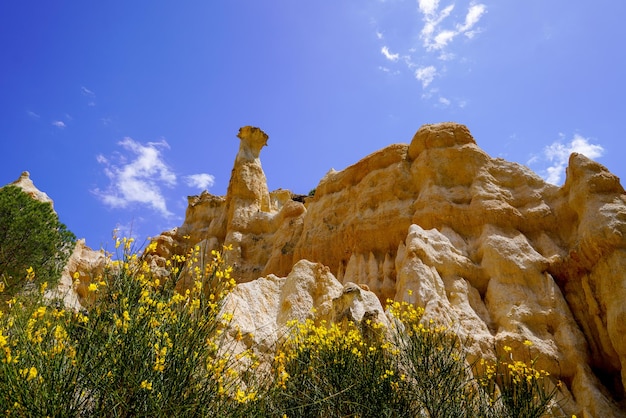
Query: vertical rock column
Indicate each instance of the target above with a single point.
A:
(247, 198)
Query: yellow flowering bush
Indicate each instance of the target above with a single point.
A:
(336, 369)
(148, 345)
(153, 343)
(417, 368)
(516, 387)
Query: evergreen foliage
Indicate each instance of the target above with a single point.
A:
(31, 237)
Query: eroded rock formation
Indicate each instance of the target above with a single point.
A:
(482, 243)
(26, 184)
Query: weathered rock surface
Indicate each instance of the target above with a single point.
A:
(482, 243)
(262, 308)
(84, 266)
(26, 184)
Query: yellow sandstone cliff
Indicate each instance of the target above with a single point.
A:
(481, 243)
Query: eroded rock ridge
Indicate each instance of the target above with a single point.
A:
(479, 241)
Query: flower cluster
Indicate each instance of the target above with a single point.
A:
(417, 367)
(154, 341)
(149, 341)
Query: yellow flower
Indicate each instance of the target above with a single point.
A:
(40, 312)
(29, 374)
(152, 247)
(242, 397)
(146, 385)
(76, 275)
(528, 343)
(92, 287)
(82, 318)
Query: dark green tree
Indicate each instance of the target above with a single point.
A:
(31, 235)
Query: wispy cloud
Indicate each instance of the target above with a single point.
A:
(556, 156)
(444, 101)
(32, 114)
(59, 124)
(90, 94)
(474, 14)
(201, 181)
(435, 36)
(391, 57)
(442, 24)
(428, 7)
(87, 92)
(137, 178)
(426, 75)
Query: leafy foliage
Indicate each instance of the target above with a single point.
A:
(31, 237)
(337, 369)
(142, 348)
(414, 369)
(153, 343)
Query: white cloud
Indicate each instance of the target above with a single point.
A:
(444, 101)
(557, 156)
(86, 92)
(201, 181)
(475, 12)
(33, 114)
(426, 75)
(428, 7)
(90, 94)
(431, 23)
(138, 179)
(59, 124)
(434, 37)
(440, 26)
(442, 39)
(391, 57)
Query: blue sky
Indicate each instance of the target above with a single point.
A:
(120, 109)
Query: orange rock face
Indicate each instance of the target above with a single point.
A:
(480, 242)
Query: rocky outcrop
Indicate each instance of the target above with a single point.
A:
(263, 308)
(260, 227)
(83, 267)
(26, 184)
(480, 242)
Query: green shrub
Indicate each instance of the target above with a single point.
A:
(142, 348)
(415, 369)
(31, 237)
(337, 370)
(146, 349)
